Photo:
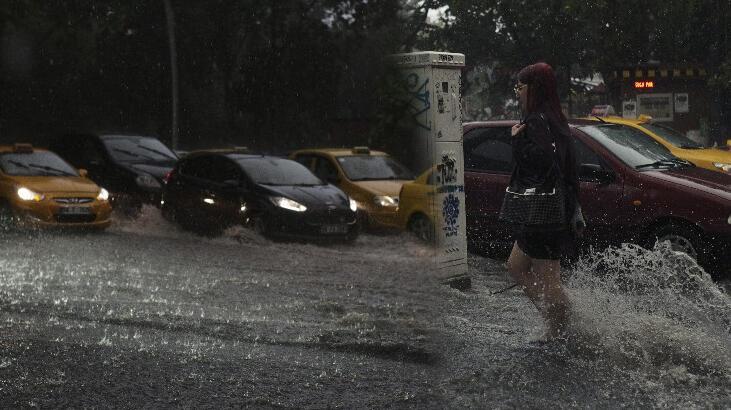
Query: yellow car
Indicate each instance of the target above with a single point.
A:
(39, 189)
(681, 146)
(372, 178)
(417, 211)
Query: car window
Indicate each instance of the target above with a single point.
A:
(37, 163)
(277, 171)
(632, 146)
(198, 167)
(488, 149)
(222, 169)
(325, 169)
(674, 137)
(585, 155)
(305, 159)
(373, 168)
(138, 149)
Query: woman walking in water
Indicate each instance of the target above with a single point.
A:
(541, 200)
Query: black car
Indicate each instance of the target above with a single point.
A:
(280, 198)
(131, 167)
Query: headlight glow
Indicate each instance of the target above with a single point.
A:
(723, 166)
(103, 195)
(287, 203)
(147, 181)
(27, 195)
(729, 220)
(353, 204)
(385, 201)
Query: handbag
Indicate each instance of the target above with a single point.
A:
(533, 207)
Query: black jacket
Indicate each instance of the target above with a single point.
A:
(543, 154)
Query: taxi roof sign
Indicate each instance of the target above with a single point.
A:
(361, 150)
(602, 111)
(427, 58)
(23, 148)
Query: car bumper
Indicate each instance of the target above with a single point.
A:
(338, 225)
(381, 220)
(97, 215)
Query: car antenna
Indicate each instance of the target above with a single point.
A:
(600, 119)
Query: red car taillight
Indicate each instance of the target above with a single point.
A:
(168, 176)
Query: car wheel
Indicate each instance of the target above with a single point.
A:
(422, 227)
(682, 239)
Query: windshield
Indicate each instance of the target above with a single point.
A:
(278, 171)
(633, 147)
(373, 168)
(674, 137)
(38, 163)
(138, 149)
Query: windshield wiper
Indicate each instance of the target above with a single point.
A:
(18, 164)
(131, 154)
(158, 152)
(664, 163)
(52, 169)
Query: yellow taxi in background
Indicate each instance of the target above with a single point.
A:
(417, 212)
(39, 189)
(679, 145)
(372, 178)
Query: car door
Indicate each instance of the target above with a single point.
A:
(488, 166)
(188, 195)
(600, 193)
(223, 193)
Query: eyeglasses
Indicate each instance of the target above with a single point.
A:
(517, 88)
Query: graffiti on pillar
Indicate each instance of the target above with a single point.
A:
(447, 169)
(450, 213)
(419, 103)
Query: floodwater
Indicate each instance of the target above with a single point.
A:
(146, 314)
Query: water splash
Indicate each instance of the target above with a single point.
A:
(652, 308)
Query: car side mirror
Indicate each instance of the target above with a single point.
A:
(83, 173)
(595, 172)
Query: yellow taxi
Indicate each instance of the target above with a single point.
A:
(372, 178)
(679, 145)
(39, 189)
(417, 211)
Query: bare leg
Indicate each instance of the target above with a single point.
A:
(519, 265)
(556, 301)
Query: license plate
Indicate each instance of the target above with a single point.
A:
(333, 229)
(74, 210)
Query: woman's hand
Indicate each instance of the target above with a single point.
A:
(517, 129)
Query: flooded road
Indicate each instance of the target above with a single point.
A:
(149, 315)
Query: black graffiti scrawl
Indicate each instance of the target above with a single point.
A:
(447, 170)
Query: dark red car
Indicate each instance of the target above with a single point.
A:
(632, 190)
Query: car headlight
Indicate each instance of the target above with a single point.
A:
(27, 195)
(287, 203)
(147, 181)
(103, 195)
(385, 200)
(353, 204)
(723, 166)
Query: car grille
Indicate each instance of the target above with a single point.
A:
(334, 216)
(75, 219)
(73, 200)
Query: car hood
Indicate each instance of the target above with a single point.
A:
(313, 197)
(156, 170)
(58, 184)
(707, 154)
(716, 183)
(384, 187)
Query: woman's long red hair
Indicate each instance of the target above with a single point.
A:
(542, 91)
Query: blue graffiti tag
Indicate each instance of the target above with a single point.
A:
(420, 103)
(450, 212)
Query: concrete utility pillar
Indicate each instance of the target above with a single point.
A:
(434, 80)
